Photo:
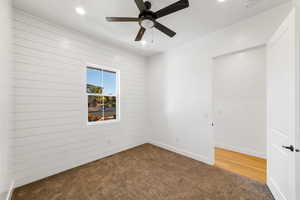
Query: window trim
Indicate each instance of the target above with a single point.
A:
(118, 98)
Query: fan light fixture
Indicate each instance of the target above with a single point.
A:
(147, 23)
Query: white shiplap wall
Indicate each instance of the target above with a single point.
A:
(51, 134)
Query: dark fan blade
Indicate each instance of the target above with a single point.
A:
(164, 29)
(122, 19)
(140, 34)
(179, 5)
(140, 4)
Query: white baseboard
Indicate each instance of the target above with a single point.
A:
(183, 152)
(275, 190)
(120, 149)
(11, 190)
(113, 151)
(109, 152)
(7, 195)
(241, 150)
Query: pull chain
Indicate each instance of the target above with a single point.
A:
(152, 39)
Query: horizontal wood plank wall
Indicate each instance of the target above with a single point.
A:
(51, 134)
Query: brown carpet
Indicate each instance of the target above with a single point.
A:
(144, 173)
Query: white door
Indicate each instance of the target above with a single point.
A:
(281, 114)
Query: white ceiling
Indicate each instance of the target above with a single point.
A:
(202, 17)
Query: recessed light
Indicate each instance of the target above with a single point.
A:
(143, 42)
(80, 10)
(221, 1)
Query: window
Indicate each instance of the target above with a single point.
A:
(102, 90)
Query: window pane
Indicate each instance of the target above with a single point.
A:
(96, 108)
(110, 108)
(109, 83)
(94, 81)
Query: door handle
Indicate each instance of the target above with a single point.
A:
(291, 147)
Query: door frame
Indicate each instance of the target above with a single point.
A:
(297, 43)
(213, 123)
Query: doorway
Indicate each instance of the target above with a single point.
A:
(239, 112)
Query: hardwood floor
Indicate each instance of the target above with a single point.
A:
(242, 164)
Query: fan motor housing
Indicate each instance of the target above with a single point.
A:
(147, 14)
(148, 5)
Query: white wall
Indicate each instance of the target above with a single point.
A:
(239, 98)
(51, 133)
(180, 83)
(5, 98)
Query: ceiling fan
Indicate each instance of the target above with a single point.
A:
(147, 18)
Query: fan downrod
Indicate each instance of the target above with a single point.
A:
(148, 5)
